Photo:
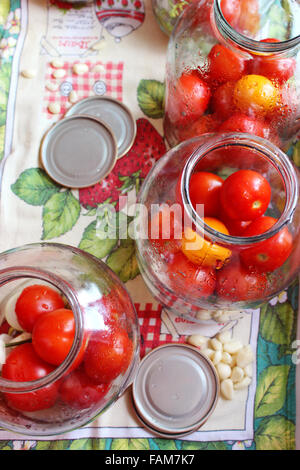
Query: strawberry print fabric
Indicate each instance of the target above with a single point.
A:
(124, 52)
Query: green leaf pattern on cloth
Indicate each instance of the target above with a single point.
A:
(150, 94)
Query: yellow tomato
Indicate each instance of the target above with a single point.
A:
(255, 94)
(203, 252)
(216, 224)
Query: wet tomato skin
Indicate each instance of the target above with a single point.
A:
(184, 274)
(279, 69)
(224, 65)
(108, 354)
(205, 189)
(236, 283)
(79, 391)
(34, 301)
(190, 99)
(250, 192)
(53, 335)
(23, 364)
(240, 122)
(270, 254)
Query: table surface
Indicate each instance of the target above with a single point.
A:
(130, 62)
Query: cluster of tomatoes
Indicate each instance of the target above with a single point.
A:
(232, 93)
(237, 207)
(104, 354)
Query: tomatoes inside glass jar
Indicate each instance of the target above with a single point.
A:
(245, 65)
(228, 238)
(71, 341)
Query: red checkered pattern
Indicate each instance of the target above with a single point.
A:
(150, 329)
(83, 85)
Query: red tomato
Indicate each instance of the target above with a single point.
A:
(189, 99)
(222, 100)
(203, 125)
(275, 68)
(236, 283)
(194, 279)
(231, 10)
(53, 336)
(249, 18)
(245, 195)
(34, 301)
(242, 123)
(22, 365)
(108, 355)
(165, 231)
(224, 65)
(79, 391)
(268, 255)
(236, 228)
(205, 189)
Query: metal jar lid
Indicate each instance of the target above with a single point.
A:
(78, 151)
(175, 390)
(114, 113)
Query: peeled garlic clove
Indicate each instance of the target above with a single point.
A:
(73, 97)
(80, 69)
(59, 73)
(57, 63)
(224, 336)
(232, 346)
(216, 357)
(28, 73)
(98, 68)
(52, 86)
(227, 358)
(226, 388)
(248, 370)
(54, 108)
(243, 383)
(223, 370)
(244, 356)
(208, 352)
(197, 340)
(237, 374)
(216, 344)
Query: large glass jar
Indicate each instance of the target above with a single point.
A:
(167, 12)
(44, 389)
(234, 70)
(205, 261)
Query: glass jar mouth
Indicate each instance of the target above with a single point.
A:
(278, 159)
(21, 272)
(245, 42)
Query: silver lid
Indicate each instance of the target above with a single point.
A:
(175, 390)
(78, 151)
(114, 113)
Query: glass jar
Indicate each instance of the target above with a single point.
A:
(192, 264)
(235, 75)
(167, 12)
(69, 392)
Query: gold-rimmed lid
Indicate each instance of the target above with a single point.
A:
(112, 112)
(78, 151)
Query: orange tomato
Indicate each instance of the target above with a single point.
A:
(255, 95)
(203, 252)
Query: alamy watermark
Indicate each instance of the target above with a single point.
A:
(138, 221)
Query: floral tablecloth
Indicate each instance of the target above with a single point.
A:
(126, 60)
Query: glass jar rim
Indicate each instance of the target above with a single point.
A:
(245, 42)
(279, 160)
(8, 275)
